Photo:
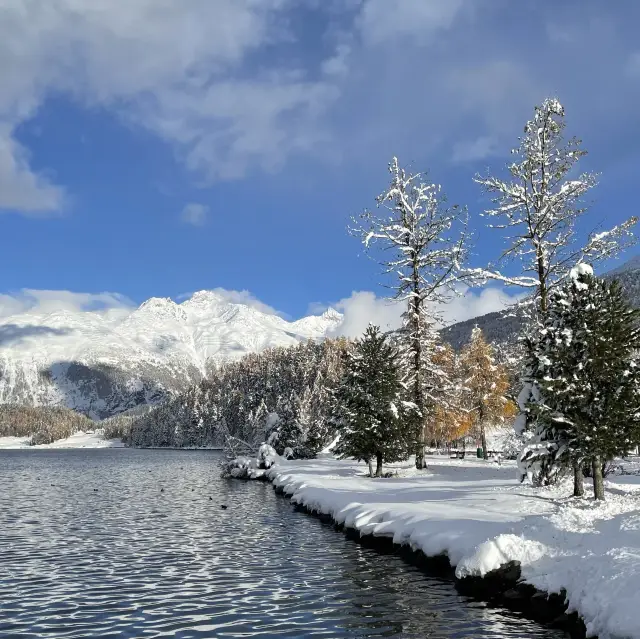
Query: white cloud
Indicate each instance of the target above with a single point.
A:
(472, 151)
(247, 298)
(237, 297)
(338, 64)
(473, 303)
(232, 125)
(48, 301)
(194, 214)
(171, 66)
(384, 20)
(363, 307)
(206, 77)
(20, 188)
(498, 91)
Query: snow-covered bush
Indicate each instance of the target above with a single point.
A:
(267, 456)
(249, 467)
(242, 468)
(511, 444)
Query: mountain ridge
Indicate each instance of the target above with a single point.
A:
(103, 362)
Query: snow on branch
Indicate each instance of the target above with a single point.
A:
(541, 205)
(427, 239)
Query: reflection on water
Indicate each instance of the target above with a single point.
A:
(131, 543)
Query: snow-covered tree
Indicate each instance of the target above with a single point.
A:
(286, 433)
(486, 384)
(425, 241)
(585, 367)
(368, 409)
(541, 204)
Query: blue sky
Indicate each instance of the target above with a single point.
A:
(158, 147)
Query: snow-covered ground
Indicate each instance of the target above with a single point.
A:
(481, 517)
(77, 440)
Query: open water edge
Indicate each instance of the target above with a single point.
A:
(123, 543)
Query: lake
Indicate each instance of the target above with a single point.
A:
(122, 543)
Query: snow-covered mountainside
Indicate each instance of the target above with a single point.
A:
(504, 327)
(105, 362)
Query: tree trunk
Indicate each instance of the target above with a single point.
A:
(542, 279)
(483, 438)
(598, 482)
(370, 462)
(415, 308)
(578, 480)
(378, 464)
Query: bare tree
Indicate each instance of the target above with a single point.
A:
(426, 245)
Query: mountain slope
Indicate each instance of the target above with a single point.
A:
(104, 362)
(504, 327)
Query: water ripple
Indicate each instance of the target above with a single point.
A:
(91, 546)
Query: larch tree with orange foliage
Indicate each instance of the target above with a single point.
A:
(448, 420)
(486, 384)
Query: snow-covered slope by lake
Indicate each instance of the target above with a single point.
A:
(478, 514)
(104, 362)
(77, 440)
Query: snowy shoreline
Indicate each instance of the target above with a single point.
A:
(77, 440)
(528, 549)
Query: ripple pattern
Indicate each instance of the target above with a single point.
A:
(134, 544)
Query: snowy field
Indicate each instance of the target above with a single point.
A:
(481, 517)
(77, 440)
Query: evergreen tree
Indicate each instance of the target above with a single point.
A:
(584, 366)
(485, 383)
(286, 433)
(369, 410)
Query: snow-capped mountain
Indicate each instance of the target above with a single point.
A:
(105, 362)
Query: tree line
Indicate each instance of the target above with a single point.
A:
(41, 424)
(281, 395)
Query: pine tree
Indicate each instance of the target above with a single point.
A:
(428, 244)
(485, 383)
(584, 364)
(368, 409)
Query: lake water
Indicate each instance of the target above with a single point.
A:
(134, 543)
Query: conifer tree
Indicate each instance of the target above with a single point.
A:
(584, 365)
(368, 409)
(287, 429)
(427, 246)
(485, 383)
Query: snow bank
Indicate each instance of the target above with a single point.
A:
(481, 517)
(8, 443)
(93, 439)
